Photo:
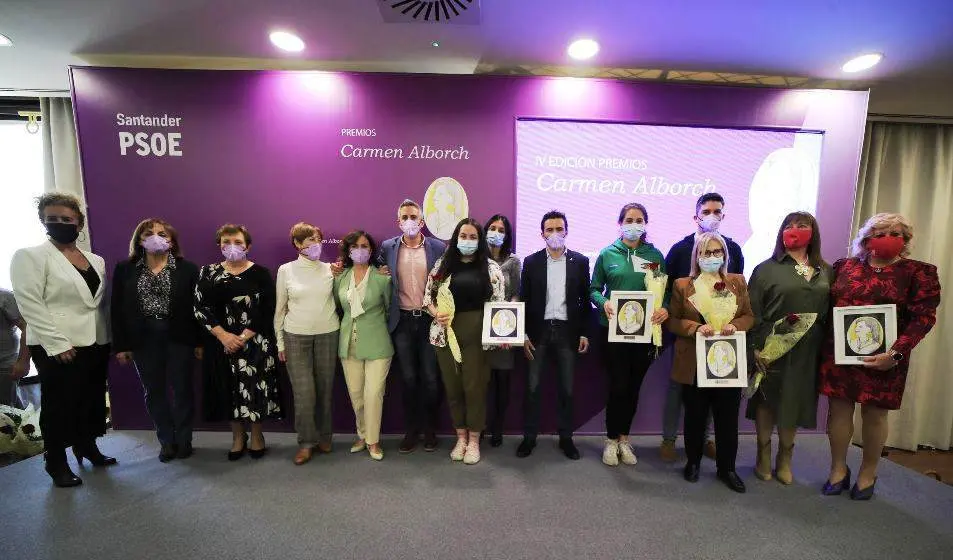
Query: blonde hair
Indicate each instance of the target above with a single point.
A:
(700, 243)
(881, 221)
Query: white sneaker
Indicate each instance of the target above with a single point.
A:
(626, 454)
(610, 455)
(472, 456)
(459, 450)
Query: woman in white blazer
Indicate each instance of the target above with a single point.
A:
(59, 289)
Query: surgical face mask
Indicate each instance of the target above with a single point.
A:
(495, 238)
(467, 246)
(234, 253)
(156, 244)
(312, 252)
(556, 241)
(360, 255)
(710, 222)
(410, 227)
(710, 264)
(63, 234)
(632, 231)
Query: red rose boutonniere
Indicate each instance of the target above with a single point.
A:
(792, 318)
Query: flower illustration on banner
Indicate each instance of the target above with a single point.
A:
(445, 204)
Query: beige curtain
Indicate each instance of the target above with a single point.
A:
(908, 168)
(61, 168)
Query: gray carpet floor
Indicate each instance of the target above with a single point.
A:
(423, 506)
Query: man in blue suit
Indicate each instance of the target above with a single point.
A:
(554, 288)
(409, 258)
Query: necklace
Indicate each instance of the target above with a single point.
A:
(803, 269)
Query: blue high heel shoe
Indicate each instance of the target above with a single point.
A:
(837, 488)
(863, 495)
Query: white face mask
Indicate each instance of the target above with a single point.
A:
(632, 231)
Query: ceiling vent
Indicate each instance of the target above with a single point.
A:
(461, 12)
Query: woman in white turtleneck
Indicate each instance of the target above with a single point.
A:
(306, 325)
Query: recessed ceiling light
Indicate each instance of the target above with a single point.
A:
(862, 62)
(287, 41)
(435, 44)
(5, 41)
(582, 49)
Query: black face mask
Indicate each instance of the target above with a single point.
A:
(63, 234)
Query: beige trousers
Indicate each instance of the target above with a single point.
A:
(366, 381)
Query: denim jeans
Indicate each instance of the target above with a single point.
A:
(553, 344)
(418, 372)
(673, 413)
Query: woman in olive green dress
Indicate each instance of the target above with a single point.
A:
(794, 280)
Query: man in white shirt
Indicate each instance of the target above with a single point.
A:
(555, 290)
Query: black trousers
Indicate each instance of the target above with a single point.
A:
(73, 396)
(723, 404)
(500, 391)
(162, 363)
(626, 364)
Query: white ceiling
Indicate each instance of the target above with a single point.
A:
(796, 38)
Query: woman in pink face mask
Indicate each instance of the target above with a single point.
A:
(154, 328)
(879, 272)
(306, 326)
(235, 303)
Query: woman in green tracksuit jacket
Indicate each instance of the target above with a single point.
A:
(623, 266)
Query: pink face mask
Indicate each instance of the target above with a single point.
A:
(156, 244)
(234, 253)
(360, 256)
(556, 241)
(312, 252)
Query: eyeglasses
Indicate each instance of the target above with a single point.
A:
(715, 253)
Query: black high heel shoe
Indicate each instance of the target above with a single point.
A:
(60, 472)
(258, 453)
(92, 454)
(236, 455)
(836, 488)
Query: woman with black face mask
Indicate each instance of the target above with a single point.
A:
(59, 289)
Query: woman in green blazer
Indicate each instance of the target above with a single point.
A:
(365, 349)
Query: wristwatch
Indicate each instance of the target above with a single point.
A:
(897, 356)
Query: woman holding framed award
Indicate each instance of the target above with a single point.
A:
(790, 300)
(879, 272)
(623, 266)
(709, 302)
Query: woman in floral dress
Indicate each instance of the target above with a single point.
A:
(878, 273)
(235, 301)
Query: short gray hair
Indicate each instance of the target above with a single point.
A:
(407, 202)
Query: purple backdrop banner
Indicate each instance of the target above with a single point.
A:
(271, 148)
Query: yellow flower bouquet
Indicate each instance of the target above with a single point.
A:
(785, 334)
(656, 281)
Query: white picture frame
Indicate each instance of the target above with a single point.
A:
(861, 331)
(722, 361)
(632, 320)
(504, 322)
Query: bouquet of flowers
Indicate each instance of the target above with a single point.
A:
(445, 304)
(20, 431)
(656, 281)
(718, 308)
(785, 334)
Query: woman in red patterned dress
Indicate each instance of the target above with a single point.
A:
(878, 273)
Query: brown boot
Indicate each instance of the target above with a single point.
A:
(783, 472)
(762, 467)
